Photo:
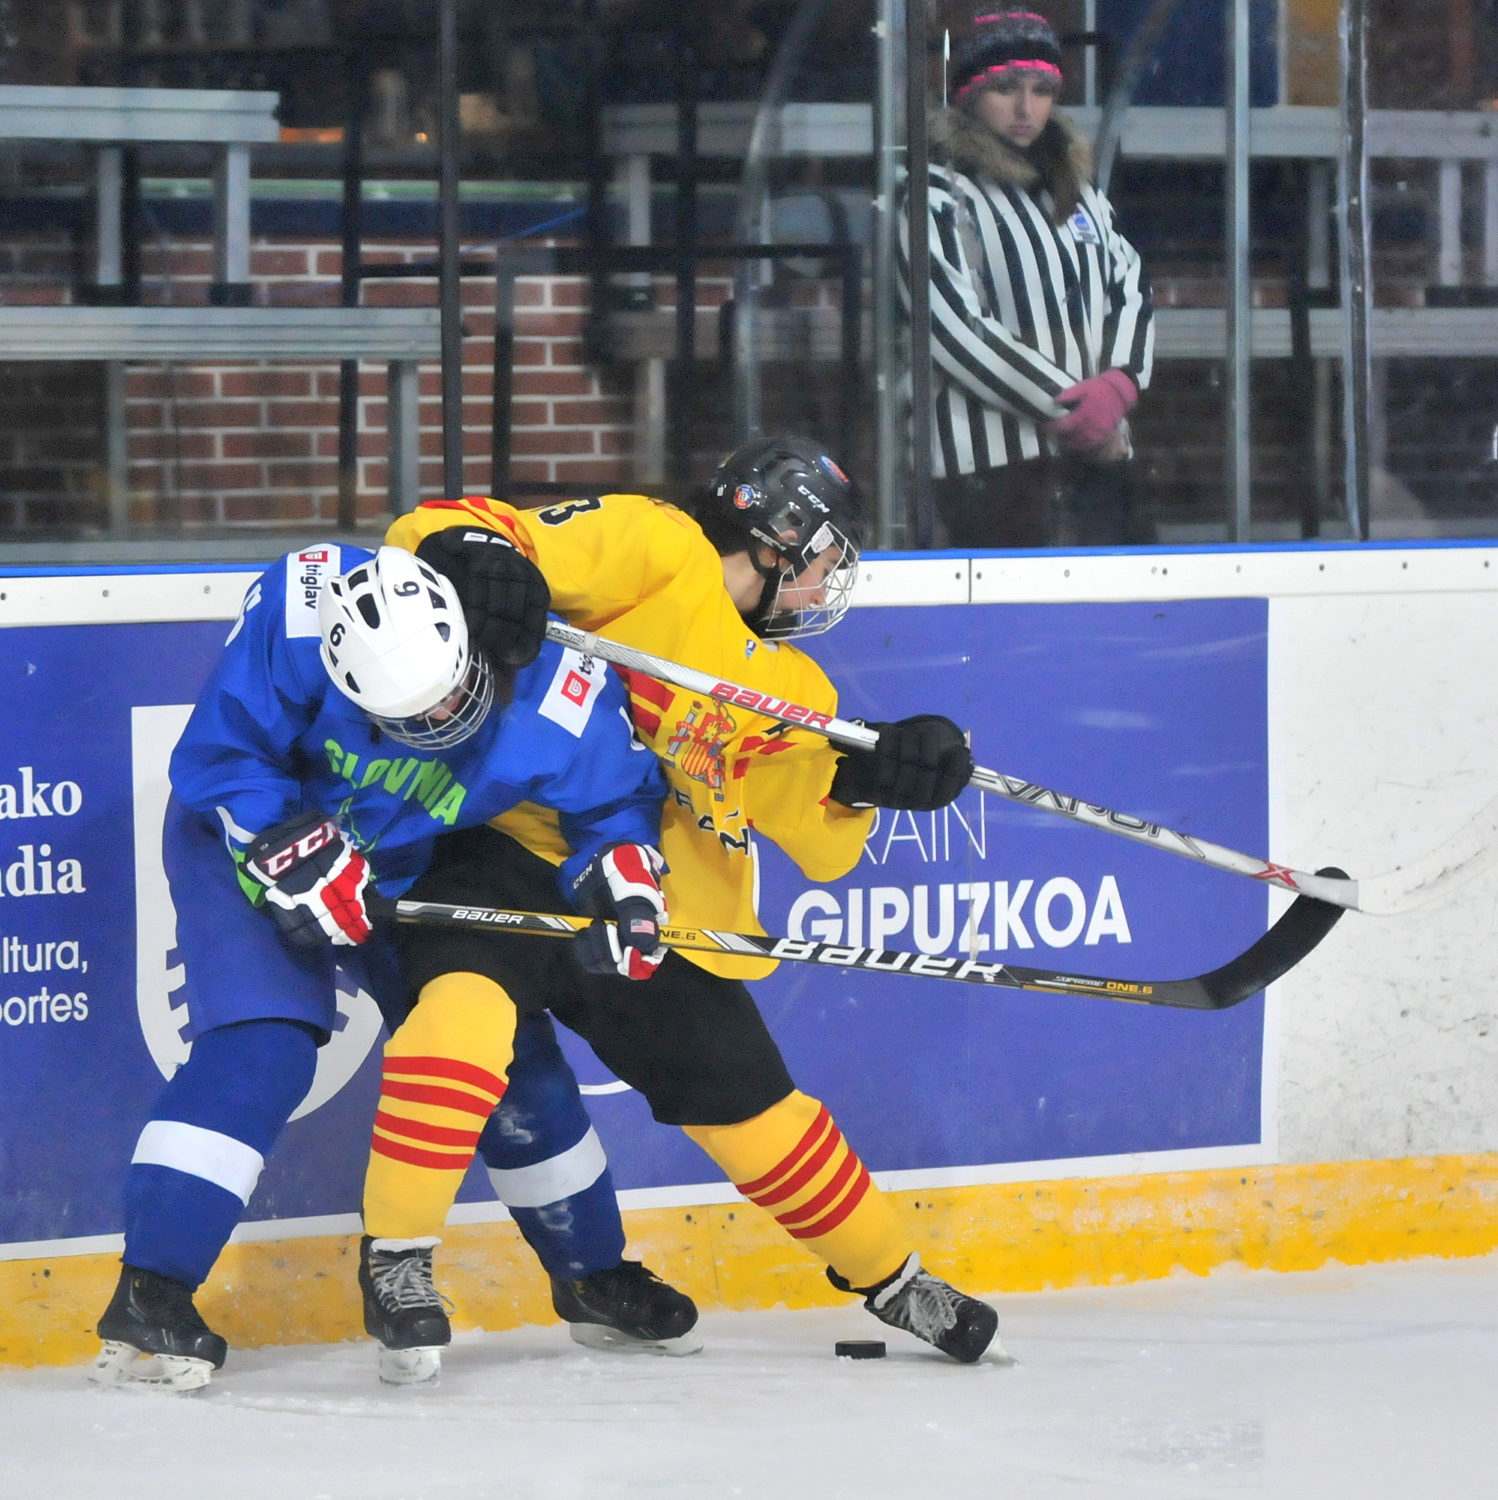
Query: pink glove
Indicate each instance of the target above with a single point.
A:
(1098, 405)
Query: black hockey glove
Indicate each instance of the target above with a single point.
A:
(622, 884)
(920, 763)
(315, 881)
(504, 596)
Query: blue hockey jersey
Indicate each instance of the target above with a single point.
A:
(271, 737)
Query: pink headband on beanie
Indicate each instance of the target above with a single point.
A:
(1019, 65)
(1003, 41)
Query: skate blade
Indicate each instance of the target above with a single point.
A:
(125, 1366)
(599, 1336)
(996, 1353)
(410, 1366)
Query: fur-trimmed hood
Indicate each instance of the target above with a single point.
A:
(1060, 160)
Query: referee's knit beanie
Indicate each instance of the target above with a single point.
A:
(1000, 42)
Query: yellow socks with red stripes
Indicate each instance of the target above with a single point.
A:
(445, 1070)
(793, 1162)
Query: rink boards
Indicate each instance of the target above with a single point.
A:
(1313, 705)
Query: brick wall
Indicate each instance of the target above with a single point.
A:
(51, 461)
(248, 444)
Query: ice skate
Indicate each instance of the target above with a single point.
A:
(154, 1337)
(628, 1310)
(403, 1309)
(923, 1304)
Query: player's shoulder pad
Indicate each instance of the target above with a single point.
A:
(303, 575)
(564, 688)
(683, 532)
(642, 538)
(661, 517)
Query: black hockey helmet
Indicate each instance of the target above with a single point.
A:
(788, 495)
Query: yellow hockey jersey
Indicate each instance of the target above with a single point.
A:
(641, 572)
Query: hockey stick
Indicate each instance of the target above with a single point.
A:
(1402, 889)
(1279, 950)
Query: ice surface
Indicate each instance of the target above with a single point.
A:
(1369, 1382)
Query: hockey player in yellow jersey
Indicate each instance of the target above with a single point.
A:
(765, 554)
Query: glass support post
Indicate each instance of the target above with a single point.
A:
(1238, 241)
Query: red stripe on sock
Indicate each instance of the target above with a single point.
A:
(418, 1130)
(804, 1173)
(813, 1206)
(841, 1212)
(414, 1156)
(447, 1067)
(789, 1160)
(416, 1093)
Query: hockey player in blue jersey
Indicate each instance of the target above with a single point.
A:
(348, 723)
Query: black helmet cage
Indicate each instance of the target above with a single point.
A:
(790, 497)
(777, 617)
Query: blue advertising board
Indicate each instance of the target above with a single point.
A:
(1159, 709)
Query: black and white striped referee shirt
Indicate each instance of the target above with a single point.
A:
(1021, 308)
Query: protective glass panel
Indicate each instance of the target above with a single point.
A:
(1223, 452)
(219, 317)
(1433, 203)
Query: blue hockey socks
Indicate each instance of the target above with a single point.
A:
(546, 1163)
(200, 1155)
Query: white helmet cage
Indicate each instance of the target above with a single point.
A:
(395, 643)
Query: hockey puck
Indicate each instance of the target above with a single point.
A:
(859, 1348)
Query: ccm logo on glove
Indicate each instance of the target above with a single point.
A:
(281, 857)
(622, 887)
(315, 881)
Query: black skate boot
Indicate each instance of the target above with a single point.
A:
(153, 1336)
(403, 1309)
(926, 1306)
(627, 1309)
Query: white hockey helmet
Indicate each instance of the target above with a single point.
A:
(394, 641)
